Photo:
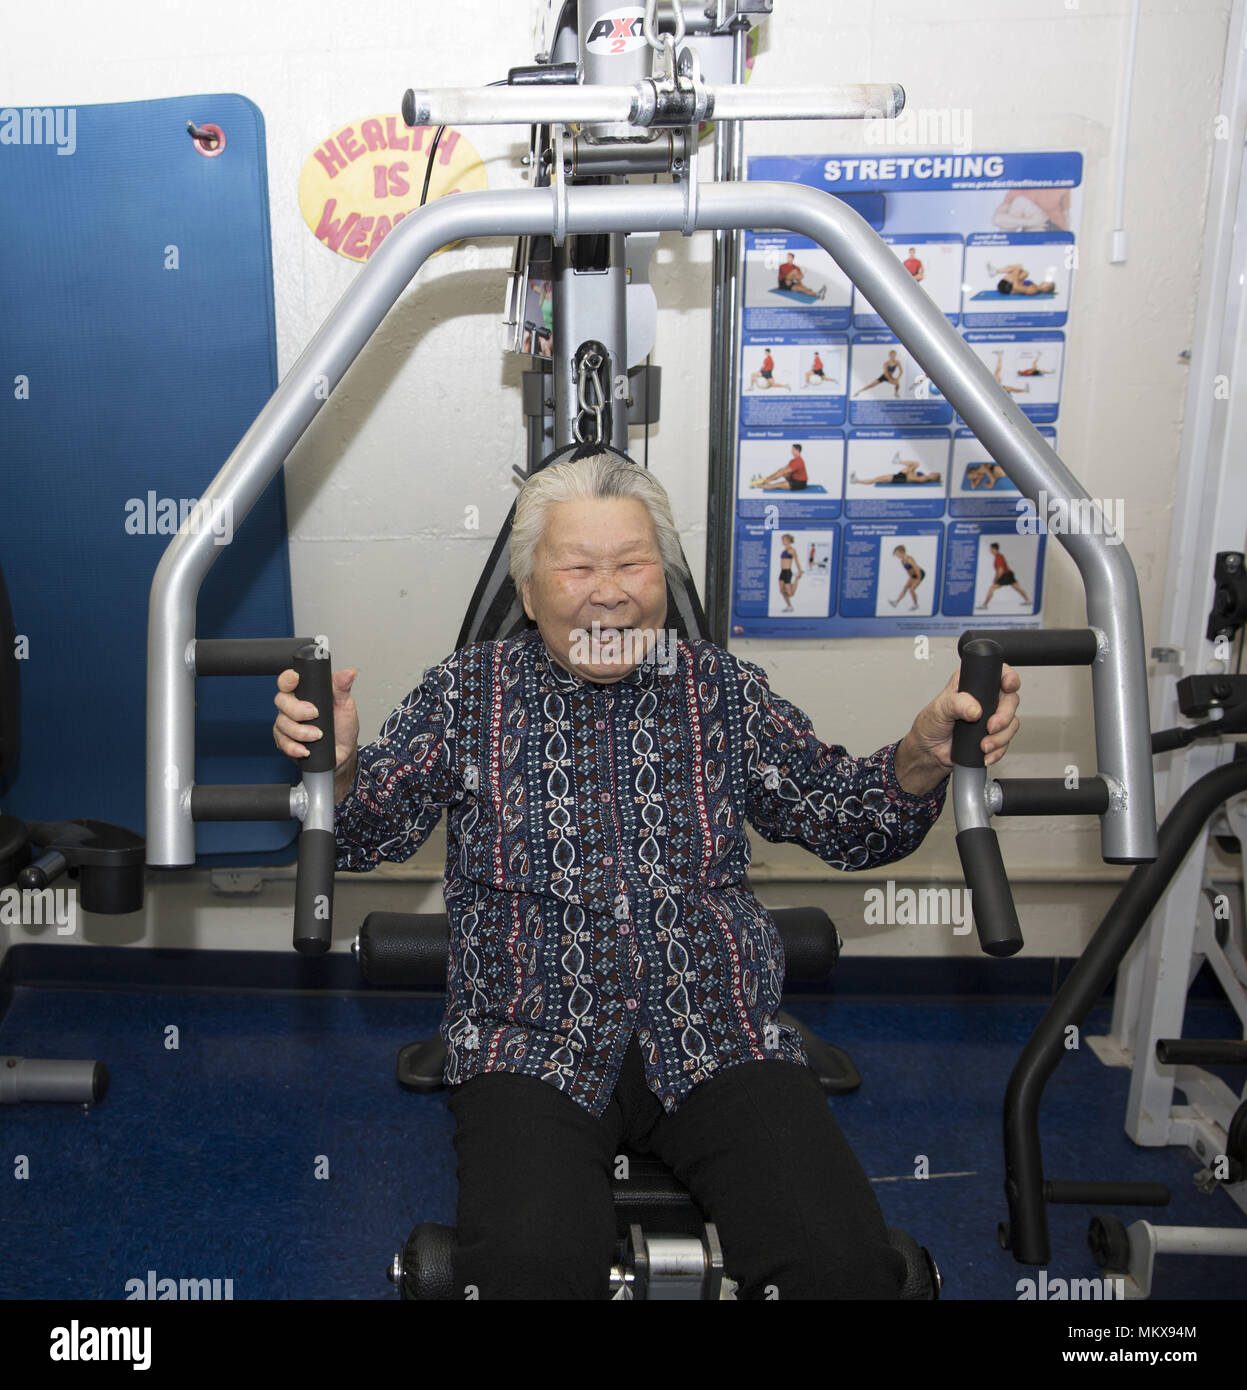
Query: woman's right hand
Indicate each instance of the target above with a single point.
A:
(292, 733)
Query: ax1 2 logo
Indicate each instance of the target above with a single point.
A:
(617, 32)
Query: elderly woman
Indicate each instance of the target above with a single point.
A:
(610, 976)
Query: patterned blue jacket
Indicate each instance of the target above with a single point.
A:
(596, 849)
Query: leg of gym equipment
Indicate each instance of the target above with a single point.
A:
(25, 1078)
(1024, 1182)
(1130, 1254)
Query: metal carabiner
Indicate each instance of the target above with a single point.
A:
(587, 377)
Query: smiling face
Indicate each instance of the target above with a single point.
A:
(598, 593)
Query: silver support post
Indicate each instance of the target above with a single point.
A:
(1123, 735)
(729, 138)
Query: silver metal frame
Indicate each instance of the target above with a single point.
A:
(1119, 675)
(726, 283)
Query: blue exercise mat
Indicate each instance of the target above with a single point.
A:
(798, 298)
(125, 384)
(1014, 298)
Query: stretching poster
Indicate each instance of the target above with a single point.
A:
(864, 504)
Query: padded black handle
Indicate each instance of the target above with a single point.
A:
(991, 898)
(316, 686)
(995, 916)
(981, 664)
(313, 894)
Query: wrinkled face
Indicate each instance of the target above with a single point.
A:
(598, 593)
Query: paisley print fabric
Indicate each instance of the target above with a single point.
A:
(596, 851)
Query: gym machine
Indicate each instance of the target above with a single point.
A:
(598, 117)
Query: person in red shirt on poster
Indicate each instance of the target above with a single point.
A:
(817, 371)
(1005, 578)
(767, 373)
(791, 477)
(791, 278)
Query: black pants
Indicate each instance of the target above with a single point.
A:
(757, 1146)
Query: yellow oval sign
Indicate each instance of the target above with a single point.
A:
(362, 180)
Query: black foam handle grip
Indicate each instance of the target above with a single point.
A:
(316, 686)
(981, 664)
(991, 899)
(313, 892)
(1063, 646)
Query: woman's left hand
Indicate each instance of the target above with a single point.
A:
(925, 754)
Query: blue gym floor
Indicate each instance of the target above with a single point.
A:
(201, 1162)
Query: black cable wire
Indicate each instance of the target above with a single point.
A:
(441, 130)
(428, 168)
(648, 355)
(647, 358)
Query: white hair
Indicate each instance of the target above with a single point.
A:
(596, 476)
